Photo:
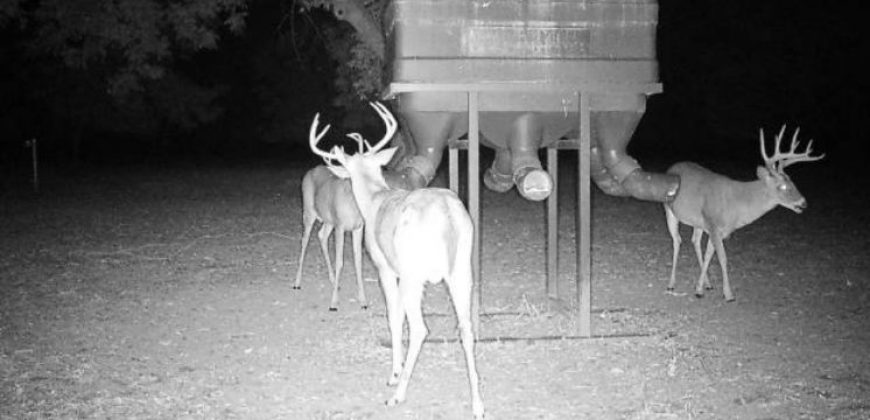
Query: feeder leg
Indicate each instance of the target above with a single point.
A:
(584, 289)
(453, 170)
(553, 225)
(474, 203)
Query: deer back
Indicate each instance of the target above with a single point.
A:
(333, 199)
(709, 200)
(695, 191)
(422, 233)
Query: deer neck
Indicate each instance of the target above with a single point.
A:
(750, 201)
(369, 193)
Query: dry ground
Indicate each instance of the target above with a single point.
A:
(153, 294)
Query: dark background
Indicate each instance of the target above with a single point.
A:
(732, 67)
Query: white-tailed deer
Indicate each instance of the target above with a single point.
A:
(717, 205)
(329, 199)
(414, 238)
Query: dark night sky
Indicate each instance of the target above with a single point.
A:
(731, 67)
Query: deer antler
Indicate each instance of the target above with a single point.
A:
(389, 121)
(779, 161)
(361, 142)
(365, 148)
(314, 137)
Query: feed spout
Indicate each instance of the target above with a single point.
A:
(518, 163)
(426, 137)
(617, 173)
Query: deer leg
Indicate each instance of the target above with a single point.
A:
(323, 235)
(339, 264)
(306, 235)
(697, 236)
(674, 229)
(460, 289)
(708, 256)
(723, 262)
(395, 320)
(411, 295)
(357, 238)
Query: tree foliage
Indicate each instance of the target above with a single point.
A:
(128, 41)
(78, 67)
(360, 53)
(284, 75)
(158, 68)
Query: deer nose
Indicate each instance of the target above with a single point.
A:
(800, 206)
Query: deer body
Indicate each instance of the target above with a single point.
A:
(419, 237)
(411, 228)
(723, 202)
(414, 238)
(717, 205)
(328, 199)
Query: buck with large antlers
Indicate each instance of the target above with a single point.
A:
(414, 238)
(716, 205)
(328, 199)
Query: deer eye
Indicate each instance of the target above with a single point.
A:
(783, 187)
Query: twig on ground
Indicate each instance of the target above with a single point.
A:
(528, 309)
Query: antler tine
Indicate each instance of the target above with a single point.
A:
(779, 161)
(361, 142)
(794, 140)
(389, 121)
(314, 137)
(778, 146)
(779, 136)
(358, 138)
(801, 157)
(764, 155)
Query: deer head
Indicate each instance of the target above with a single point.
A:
(773, 173)
(367, 162)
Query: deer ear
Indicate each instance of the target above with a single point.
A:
(339, 171)
(384, 156)
(762, 172)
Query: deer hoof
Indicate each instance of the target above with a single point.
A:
(296, 287)
(729, 299)
(670, 289)
(333, 309)
(364, 307)
(396, 399)
(699, 295)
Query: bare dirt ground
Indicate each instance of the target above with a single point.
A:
(156, 294)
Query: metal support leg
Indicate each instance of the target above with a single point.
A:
(474, 203)
(453, 170)
(553, 225)
(584, 271)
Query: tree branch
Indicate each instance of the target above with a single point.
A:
(355, 13)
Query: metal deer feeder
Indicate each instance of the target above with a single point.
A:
(520, 75)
